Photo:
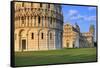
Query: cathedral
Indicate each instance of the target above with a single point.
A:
(37, 26)
(73, 38)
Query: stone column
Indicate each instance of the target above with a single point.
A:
(52, 22)
(29, 21)
(61, 40)
(38, 40)
(19, 44)
(36, 21)
(32, 21)
(43, 21)
(19, 21)
(55, 23)
(40, 22)
(15, 23)
(48, 40)
(48, 21)
(27, 42)
(26, 21)
(54, 40)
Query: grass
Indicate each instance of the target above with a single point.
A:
(55, 56)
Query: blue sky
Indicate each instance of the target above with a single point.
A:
(82, 15)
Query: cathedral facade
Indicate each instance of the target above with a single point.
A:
(73, 38)
(38, 26)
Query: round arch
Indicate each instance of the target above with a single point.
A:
(22, 40)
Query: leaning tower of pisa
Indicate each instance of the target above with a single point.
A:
(37, 26)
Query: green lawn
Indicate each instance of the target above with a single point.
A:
(55, 56)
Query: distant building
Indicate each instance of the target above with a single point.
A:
(73, 38)
(38, 26)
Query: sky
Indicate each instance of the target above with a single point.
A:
(82, 15)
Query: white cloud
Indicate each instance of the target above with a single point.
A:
(78, 16)
(74, 15)
(90, 18)
(72, 12)
(92, 8)
(83, 17)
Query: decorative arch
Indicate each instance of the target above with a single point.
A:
(21, 31)
(51, 42)
(51, 31)
(42, 31)
(22, 40)
(41, 40)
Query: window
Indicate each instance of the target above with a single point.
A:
(32, 36)
(39, 19)
(40, 4)
(41, 35)
(50, 36)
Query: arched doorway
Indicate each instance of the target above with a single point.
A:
(22, 40)
(73, 45)
(67, 45)
(23, 44)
